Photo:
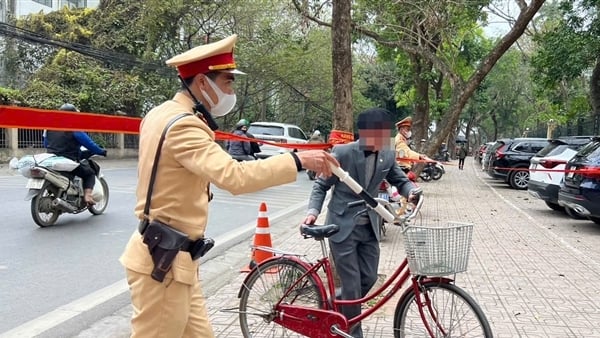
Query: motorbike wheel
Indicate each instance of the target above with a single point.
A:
(436, 173)
(100, 206)
(42, 211)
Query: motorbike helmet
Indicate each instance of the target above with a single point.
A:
(68, 107)
(242, 123)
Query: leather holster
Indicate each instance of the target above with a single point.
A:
(163, 243)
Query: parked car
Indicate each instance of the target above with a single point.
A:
(486, 162)
(580, 190)
(510, 162)
(276, 133)
(480, 153)
(544, 183)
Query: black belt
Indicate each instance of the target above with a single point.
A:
(196, 248)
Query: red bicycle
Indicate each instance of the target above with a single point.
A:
(286, 296)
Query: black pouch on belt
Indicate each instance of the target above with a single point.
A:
(201, 247)
(163, 243)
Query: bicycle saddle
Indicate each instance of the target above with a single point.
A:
(319, 231)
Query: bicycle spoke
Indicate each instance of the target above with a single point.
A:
(265, 288)
(447, 312)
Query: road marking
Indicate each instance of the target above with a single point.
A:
(63, 313)
(581, 254)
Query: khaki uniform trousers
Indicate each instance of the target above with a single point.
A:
(169, 309)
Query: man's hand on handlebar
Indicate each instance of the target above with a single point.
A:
(415, 195)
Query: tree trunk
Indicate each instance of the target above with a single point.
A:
(343, 118)
(421, 118)
(595, 95)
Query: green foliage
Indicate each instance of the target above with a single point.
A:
(10, 96)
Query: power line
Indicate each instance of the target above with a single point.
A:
(114, 58)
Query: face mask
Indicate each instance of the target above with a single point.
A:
(225, 102)
(408, 134)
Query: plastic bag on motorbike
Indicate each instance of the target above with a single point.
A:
(47, 160)
(29, 161)
(59, 163)
(98, 192)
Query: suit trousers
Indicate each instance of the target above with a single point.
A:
(169, 309)
(356, 261)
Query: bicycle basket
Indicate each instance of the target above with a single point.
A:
(438, 251)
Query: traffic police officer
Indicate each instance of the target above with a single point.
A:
(190, 160)
(403, 151)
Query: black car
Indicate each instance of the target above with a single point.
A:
(510, 162)
(580, 190)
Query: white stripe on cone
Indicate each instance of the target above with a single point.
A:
(262, 214)
(262, 231)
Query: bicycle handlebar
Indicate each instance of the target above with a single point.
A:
(377, 204)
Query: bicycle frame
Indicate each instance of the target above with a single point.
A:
(314, 322)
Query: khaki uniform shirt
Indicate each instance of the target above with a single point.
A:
(403, 151)
(189, 161)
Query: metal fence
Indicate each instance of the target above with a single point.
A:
(580, 127)
(131, 141)
(32, 138)
(3, 141)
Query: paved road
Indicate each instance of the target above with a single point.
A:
(44, 269)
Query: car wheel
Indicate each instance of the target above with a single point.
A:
(555, 206)
(594, 219)
(573, 214)
(518, 179)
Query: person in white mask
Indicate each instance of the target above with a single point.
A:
(161, 258)
(405, 155)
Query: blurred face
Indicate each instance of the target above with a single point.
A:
(375, 139)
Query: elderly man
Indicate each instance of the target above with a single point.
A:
(355, 248)
(404, 152)
(178, 159)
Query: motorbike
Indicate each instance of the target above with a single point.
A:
(432, 171)
(54, 192)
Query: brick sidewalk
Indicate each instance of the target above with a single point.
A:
(532, 270)
(529, 280)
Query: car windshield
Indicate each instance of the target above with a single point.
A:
(256, 129)
(553, 148)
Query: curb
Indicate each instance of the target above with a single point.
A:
(117, 321)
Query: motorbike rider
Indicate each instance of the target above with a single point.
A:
(68, 144)
(403, 150)
(316, 137)
(242, 150)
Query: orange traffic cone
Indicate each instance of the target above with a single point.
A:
(262, 237)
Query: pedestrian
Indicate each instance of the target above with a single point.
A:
(462, 153)
(355, 248)
(405, 154)
(242, 150)
(161, 257)
(68, 144)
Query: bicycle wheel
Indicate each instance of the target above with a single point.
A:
(457, 314)
(265, 286)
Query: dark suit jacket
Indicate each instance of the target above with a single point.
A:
(352, 160)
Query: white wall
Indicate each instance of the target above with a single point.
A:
(24, 7)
